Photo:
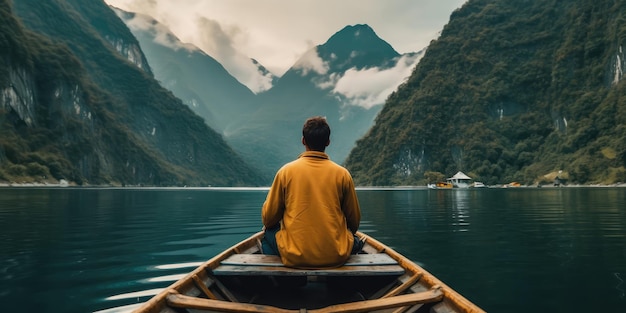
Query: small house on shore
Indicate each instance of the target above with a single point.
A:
(460, 180)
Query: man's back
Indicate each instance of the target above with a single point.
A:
(316, 200)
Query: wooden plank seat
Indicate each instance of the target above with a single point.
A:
(270, 265)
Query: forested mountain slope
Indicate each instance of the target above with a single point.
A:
(511, 91)
(72, 108)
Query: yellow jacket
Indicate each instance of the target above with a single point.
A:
(316, 205)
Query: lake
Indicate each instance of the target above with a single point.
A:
(507, 250)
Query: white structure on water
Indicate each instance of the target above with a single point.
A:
(460, 180)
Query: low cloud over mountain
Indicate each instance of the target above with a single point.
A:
(213, 39)
(371, 86)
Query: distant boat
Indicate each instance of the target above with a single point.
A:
(441, 185)
(478, 184)
(460, 180)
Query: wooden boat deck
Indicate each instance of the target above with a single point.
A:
(270, 265)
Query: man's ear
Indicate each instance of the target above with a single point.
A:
(328, 142)
(303, 141)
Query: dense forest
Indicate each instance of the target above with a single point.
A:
(511, 91)
(74, 109)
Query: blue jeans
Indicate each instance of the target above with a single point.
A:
(270, 246)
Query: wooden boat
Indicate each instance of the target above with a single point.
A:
(242, 279)
(513, 185)
(441, 185)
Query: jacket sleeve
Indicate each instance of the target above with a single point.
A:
(274, 205)
(350, 205)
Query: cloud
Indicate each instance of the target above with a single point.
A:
(370, 87)
(311, 61)
(277, 33)
(162, 35)
(218, 41)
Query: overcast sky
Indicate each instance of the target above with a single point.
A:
(278, 32)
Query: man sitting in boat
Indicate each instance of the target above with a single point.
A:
(311, 212)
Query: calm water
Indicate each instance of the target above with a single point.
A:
(508, 250)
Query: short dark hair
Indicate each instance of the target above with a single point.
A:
(316, 133)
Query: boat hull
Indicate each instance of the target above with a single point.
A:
(219, 286)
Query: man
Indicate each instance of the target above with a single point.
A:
(311, 212)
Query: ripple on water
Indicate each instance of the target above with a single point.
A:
(153, 279)
(121, 309)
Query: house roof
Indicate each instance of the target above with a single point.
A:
(460, 175)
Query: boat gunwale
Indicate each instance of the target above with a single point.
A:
(450, 294)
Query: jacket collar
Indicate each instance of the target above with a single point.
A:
(313, 154)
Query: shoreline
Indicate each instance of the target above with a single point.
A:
(65, 184)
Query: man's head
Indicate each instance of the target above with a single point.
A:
(316, 133)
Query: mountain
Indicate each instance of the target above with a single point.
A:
(511, 91)
(72, 108)
(330, 80)
(192, 75)
(346, 80)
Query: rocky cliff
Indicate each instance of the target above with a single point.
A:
(73, 108)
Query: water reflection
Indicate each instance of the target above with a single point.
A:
(121, 309)
(177, 266)
(137, 294)
(460, 209)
